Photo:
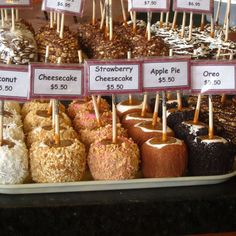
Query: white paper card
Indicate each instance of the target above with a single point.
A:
(67, 6)
(158, 75)
(194, 5)
(148, 5)
(57, 82)
(213, 78)
(119, 78)
(14, 84)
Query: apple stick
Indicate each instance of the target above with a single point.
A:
(107, 18)
(211, 128)
(180, 107)
(1, 121)
(6, 14)
(54, 17)
(144, 107)
(123, 12)
(101, 7)
(17, 14)
(134, 21)
(62, 25)
(190, 26)
(183, 25)
(2, 18)
(174, 20)
(110, 20)
(96, 110)
(167, 19)
(51, 19)
(197, 109)
(58, 22)
(155, 113)
(202, 22)
(218, 12)
(13, 19)
(103, 16)
(130, 95)
(149, 26)
(212, 27)
(80, 56)
(227, 20)
(161, 19)
(94, 13)
(114, 127)
(57, 124)
(164, 118)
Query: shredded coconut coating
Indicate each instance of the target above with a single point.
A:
(41, 134)
(32, 120)
(90, 136)
(87, 120)
(12, 106)
(78, 106)
(14, 163)
(36, 105)
(12, 117)
(57, 164)
(114, 161)
(13, 132)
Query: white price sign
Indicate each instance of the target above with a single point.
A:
(64, 81)
(74, 7)
(162, 74)
(15, 3)
(14, 82)
(213, 77)
(196, 6)
(149, 5)
(114, 77)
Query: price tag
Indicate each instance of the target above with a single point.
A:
(114, 77)
(74, 7)
(213, 77)
(64, 81)
(14, 82)
(149, 5)
(196, 6)
(166, 73)
(15, 3)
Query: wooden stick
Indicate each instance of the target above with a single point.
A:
(149, 26)
(161, 19)
(58, 22)
(174, 20)
(183, 25)
(1, 121)
(227, 20)
(52, 101)
(96, 110)
(103, 16)
(211, 128)
(131, 16)
(130, 95)
(179, 101)
(80, 56)
(51, 19)
(17, 14)
(62, 25)
(123, 12)
(101, 7)
(164, 118)
(212, 27)
(94, 13)
(111, 20)
(107, 19)
(202, 22)
(167, 19)
(13, 20)
(114, 127)
(155, 113)
(2, 18)
(6, 14)
(57, 124)
(190, 26)
(134, 22)
(218, 12)
(197, 110)
(144, 107)
(54, 17)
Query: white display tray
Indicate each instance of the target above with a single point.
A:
(92, 185)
